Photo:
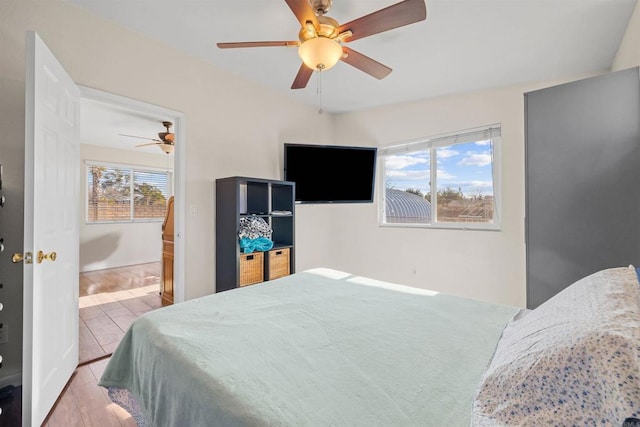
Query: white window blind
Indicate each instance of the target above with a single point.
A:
(117, 193)
(472, 135)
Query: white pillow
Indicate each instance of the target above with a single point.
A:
(574, 360)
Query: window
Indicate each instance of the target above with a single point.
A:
(446, 181)
(123, 194)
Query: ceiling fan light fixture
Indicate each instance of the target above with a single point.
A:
(320, 53)
(167, 148)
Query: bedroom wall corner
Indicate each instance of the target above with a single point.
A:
(628, 54)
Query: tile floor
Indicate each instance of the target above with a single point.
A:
(110, 300)
(85, 404)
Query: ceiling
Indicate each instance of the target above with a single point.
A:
(462, 46)
(102, 123)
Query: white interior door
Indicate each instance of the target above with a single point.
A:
(51, 223)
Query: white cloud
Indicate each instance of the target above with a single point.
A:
(442, 174)
(485, 142)
(402, 161)
(421, 175)
(445, 153)
(479, 184)
(476, 160)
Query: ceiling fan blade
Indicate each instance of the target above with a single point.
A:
(364, 63)
(302, 78)
(257, 44)
(397, 15)
(151, 143)
(303, 11)
(140, 137)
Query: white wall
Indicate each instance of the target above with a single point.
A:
(487, 265)
(120, 244)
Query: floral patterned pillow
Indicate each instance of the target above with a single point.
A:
(574, 360)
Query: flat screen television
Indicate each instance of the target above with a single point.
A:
(331, 173)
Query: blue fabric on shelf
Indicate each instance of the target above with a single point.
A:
(260, 244)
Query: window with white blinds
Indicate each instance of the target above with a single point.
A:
(447, 181)
(120, 193)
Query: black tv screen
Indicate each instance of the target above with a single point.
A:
(331, 174)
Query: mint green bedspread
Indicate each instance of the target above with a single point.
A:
(317, 348)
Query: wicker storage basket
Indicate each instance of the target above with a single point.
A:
(278, 260)
(251, 268)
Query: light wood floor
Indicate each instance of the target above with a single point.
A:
(85, 404)
(110, 300)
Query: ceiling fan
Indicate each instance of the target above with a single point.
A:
(321, 38)
(166, 141)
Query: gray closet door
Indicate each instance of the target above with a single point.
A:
(582, 180)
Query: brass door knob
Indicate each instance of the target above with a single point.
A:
(19, 257)
(46, 257)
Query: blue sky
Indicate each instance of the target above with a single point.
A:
(466, 166)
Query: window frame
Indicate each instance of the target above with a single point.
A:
(133, 169)
(493, 132)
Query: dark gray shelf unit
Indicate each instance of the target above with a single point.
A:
(238, 197)
(581, 178)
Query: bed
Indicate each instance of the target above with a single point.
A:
(328, 348)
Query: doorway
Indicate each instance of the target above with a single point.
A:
(118, 254)
(52, 125)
